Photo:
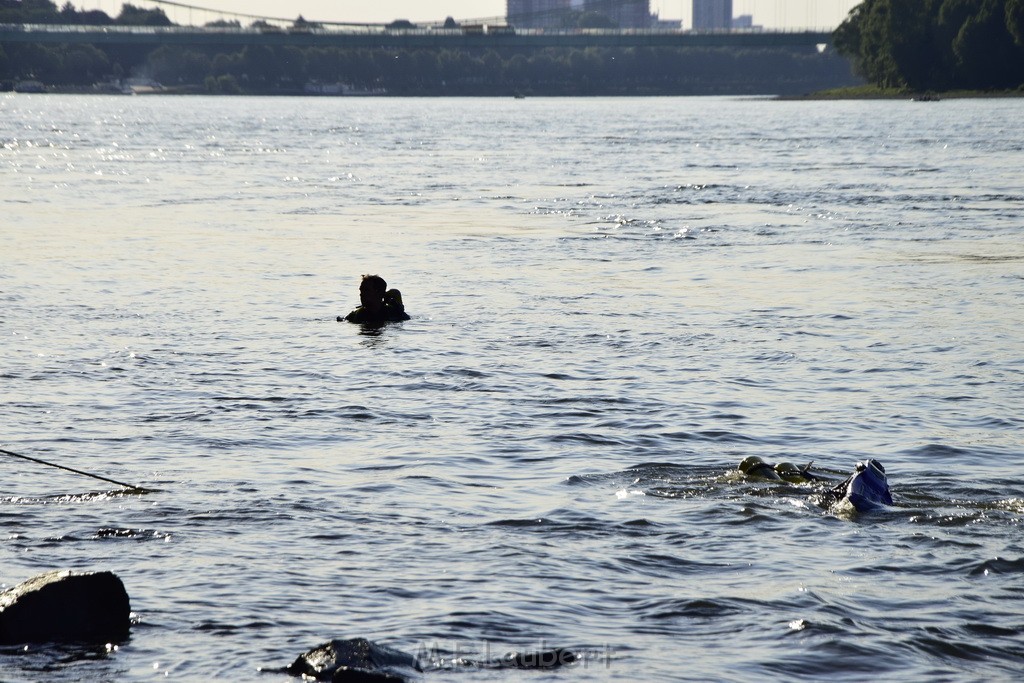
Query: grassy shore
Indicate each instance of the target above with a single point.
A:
(872, 92)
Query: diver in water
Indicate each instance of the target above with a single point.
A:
(866, 489)
(753, 466)
(379, 304)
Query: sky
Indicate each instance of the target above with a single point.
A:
(825, 14)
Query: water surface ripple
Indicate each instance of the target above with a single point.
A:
(614, 301)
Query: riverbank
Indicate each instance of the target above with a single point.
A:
(745, 89)
(871, 92)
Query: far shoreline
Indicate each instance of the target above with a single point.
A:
(871, 92)
(858, 92)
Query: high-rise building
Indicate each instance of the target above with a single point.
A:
(710, 15)
(537, 13)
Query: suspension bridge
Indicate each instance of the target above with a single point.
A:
(196, 25)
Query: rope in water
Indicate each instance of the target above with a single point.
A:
(133, 487)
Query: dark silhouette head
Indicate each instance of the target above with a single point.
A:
(371, 292)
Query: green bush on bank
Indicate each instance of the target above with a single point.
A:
(936, 45)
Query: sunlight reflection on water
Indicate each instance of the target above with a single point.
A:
(541, 452)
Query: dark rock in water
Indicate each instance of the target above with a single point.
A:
(65, 606)
(545, 659)
(350, 675)
(362, 661)
(356, 660)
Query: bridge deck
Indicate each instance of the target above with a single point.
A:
(372, 37)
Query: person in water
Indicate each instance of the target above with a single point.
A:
(379, 304)
(753, 466)
(866, 489)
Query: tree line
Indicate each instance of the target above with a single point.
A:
(46, 12)
(262, 69)
(936, 44)
(550, 71)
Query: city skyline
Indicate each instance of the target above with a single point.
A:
(767, 13)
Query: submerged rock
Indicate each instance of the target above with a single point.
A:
(362, 661)
(544, 659)
(356, 660)
(65, 606)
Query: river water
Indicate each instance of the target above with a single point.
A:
(613, 302)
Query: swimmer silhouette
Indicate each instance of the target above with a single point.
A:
(379, 304)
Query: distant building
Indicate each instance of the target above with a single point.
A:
(746, 23)
(712, 15)
(553, 13)
(537, 13)
(624, 13)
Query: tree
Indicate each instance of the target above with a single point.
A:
(265, 27)
(94, 18)
(454, 66)
(880, 43)
(986, 55)
(83, 65)
(323, 64)
(260, 66)
(517, 69)
(29, 12)
(33, 60)
(136, 16)
(1015, 20)
(225, 85)
(300, 24)
(936, 44)
(177, 65)
(911, 34)
(292, 61)
(225, 65)
(585, 65)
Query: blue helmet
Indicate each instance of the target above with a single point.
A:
(868, 488)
